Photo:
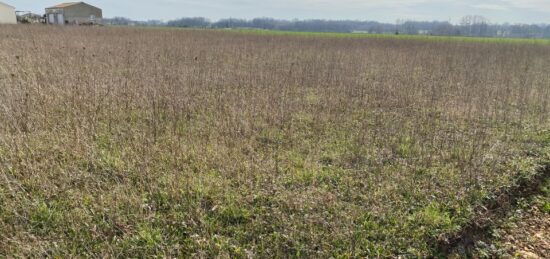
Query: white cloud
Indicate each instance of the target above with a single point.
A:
(492, 7)
(535, 5)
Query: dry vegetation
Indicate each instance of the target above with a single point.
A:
(524, 233)
(140, 142)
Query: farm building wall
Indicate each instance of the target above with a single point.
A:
(7, 14)
(83, 13)
(80, 13)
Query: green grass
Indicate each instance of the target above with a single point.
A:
(436, 38)
(390, 36)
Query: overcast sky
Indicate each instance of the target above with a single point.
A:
(513, 11)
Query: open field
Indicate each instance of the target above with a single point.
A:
(130, 142)
(391, 36)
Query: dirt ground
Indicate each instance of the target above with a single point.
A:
(525, 234)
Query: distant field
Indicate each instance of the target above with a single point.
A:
(392, 36)
(132, 142)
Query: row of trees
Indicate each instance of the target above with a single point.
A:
(473, 26)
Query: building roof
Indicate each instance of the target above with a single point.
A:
(63, 5)
(2, 3)
(31, 15)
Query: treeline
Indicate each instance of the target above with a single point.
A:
(473, 26)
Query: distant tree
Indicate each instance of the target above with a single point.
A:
(409, 28)
(231, 23)
(475, 25)
(472, 25)
(398, 24)
(196, 22)
(546, 32)
(526, 31)
(117, 21)
(376, 29)
(264, 23)
(446, 29)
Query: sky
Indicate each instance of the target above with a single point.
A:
(497, 11)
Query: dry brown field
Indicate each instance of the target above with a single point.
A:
(135, 142)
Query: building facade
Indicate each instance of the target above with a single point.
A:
(7, 14)
(78, 13)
